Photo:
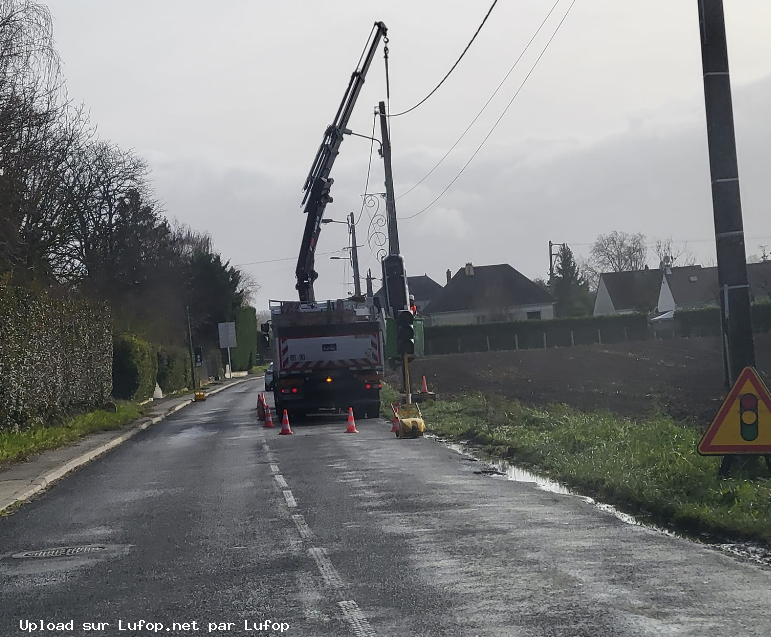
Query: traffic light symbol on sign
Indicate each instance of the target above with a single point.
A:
(743, 424)
(405, 332)
(748, 414)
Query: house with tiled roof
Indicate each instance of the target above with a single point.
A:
(671, 288)
(627, 292)
(487, 294)
(423, 288)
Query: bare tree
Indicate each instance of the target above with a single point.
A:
(35, 133)
(107, 182)
(619, 252)
(249, 286)
(672, 256)
(189, 242)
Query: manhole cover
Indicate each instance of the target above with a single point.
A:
(63, 551)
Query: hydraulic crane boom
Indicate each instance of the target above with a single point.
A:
(318, 182)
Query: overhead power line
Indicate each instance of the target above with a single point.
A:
(369, 167)
(453, 66)
(498, 121)
(321, 254)
(479, 114)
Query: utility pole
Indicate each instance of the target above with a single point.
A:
(192, 356)
(551, 264)
(369, 283)
(736, 319)
(393, 233)
(354, 256)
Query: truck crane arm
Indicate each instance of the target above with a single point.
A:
(318, 182)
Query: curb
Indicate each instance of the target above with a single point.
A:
(45, 481)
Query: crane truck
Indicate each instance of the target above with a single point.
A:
(327, 354)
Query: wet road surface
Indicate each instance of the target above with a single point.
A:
(210, 521)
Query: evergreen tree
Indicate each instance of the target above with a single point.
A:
(571, 288)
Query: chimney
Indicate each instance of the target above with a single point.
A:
(469, 269)
(449, 275)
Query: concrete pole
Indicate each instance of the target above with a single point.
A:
(393, 233)
(354, 257)
(738, 345)
(194, 376)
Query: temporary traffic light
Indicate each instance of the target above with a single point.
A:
(748, 413)
(395, 283)
(199, 356)
(405, 332)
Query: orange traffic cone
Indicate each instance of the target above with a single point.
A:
(268, 418)
(261, 405)
(285, 430)
(396, 426)
(423, 386)
(351, 422)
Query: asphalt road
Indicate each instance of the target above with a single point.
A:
(209, 518)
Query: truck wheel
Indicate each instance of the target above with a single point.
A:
(373, 409)
(359, 412)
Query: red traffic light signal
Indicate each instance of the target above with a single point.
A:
(748, 414)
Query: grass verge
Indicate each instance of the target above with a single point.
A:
(650, 469)
(259, 370)
(21, 445)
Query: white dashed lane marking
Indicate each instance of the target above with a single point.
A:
(302, 527)
(350, 609)
(290, 501)
(326, 568)
(353, 615)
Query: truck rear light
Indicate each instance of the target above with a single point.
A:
(329, 379)
(294, 390)
(369, 386)
(285, 390)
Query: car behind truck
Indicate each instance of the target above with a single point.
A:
(327, 355)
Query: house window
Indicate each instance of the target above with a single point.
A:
(534, 316)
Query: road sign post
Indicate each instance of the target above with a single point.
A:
(227, 333)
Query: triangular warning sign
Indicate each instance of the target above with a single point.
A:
(743, 424)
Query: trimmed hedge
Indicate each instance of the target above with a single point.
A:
(244, 356)
(701, 322)
(55, 357)
(173, 369)
(134, 368)
(761, 317)
(445, 339)
(706, 321)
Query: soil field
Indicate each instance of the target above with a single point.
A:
(682, 377)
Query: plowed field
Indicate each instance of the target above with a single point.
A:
(682, 377)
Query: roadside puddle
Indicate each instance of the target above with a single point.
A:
(503, 469)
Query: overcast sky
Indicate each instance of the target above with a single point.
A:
(228, 102)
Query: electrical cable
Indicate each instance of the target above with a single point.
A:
(498, 121)
(453, 66)
(321, 254)
(369, 168)
(487, 103)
